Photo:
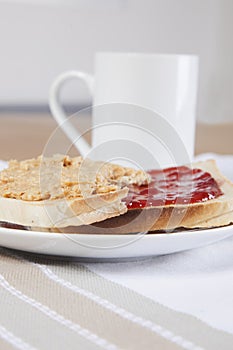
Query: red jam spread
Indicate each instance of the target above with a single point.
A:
(177, 185)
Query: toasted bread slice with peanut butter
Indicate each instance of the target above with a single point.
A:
(61, 191)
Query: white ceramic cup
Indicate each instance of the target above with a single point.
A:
(163, 83)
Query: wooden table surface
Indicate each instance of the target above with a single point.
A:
(25, 136)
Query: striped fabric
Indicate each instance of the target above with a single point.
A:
(51, 304)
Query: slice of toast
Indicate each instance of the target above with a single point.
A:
(63, 191)
(211, 213)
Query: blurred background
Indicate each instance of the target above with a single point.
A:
(42, 38)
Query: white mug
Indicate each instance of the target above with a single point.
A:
(126, 88)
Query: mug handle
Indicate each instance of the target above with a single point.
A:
(59, 114)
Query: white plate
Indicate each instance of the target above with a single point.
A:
(109, 246)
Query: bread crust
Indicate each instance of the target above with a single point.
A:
(63, 212)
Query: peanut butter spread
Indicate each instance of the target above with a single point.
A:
(64, 177)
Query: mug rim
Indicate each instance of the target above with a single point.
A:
(146, 54)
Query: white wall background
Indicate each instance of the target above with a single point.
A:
(40, 40)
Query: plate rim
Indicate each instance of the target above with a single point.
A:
(183, 232)
(53, 244)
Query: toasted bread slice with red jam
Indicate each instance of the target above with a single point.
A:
(201, 197)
